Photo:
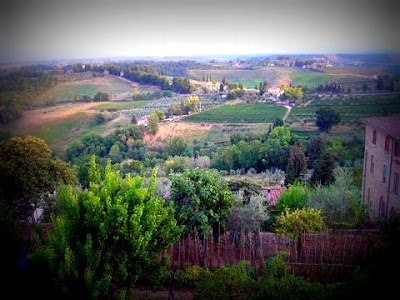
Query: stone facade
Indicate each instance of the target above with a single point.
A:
(381, 171)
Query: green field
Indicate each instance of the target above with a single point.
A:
(241, 113)
(121, 105)
(115, 87)
(60, 134)
(350, 110)
(310, 79)
(247, 77)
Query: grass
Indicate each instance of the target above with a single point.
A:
(241, 113)
(248, 78)
(70, 90)
(121, 105)
(350, 110)
(310, 79)
(59, 135)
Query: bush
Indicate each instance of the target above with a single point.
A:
(293, 198)
(176, 164)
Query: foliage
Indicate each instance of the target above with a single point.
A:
(296, 167)
(340, 201)
(295, 223)
(153, 123)
(247, 217)
(294, 197)
(326, 118)
(177, 164)
(202, 199)
(181, 85)
(112, 233)
(248, 188)
(279, 136)
(132, 167)
(193, 102)
(101, 96)
(278, 122)
(293, 92)
(323, 172)
(227, 283)
(29, 172)
(175, 146)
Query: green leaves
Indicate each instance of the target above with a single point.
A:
(202, 199)
(300, 221)
(113, 232)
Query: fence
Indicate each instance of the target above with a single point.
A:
(328, 256)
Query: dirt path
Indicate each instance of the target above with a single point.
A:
(288, 109)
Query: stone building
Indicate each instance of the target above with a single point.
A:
(380, 186)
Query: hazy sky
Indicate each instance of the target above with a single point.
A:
(96, 28)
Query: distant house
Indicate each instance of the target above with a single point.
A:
(143, 121)
(381, 171)
(272, 195)
(275, 91)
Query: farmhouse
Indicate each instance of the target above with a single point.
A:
(143, 121)
(275, 91)
(381, 172)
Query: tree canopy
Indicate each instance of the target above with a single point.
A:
(326, 118)
(109, 235)
(28, 172)
(202, 199)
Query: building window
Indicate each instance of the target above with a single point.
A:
(387, 143)
(385, 172)
(396, 179)
(381, 208)
(374, 137)
(396, 149)
(372, 164)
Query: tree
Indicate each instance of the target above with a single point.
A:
(326, 118)
(278, 122)
(202, 200)
(175, 146)
(193, 102)
(153, 122)
(380, 84)
(340, 201)
(279, 136)
(296, 223)
(100, 96)
(297, 164)
(28, 172)
(323, 172)
(109, 235)
(221, 87)
(176, 164)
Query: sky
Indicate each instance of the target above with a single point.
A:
(54, 29)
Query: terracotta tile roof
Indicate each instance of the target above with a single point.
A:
(274, 194)
(388, 125)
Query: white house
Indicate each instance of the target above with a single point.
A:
(143, 121)
(275, 91)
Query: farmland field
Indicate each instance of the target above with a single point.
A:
(350, 110)
(121, 105)
(117, 88)
(248, 78)
(310, 79)
(240, 113)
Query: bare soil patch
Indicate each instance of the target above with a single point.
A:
(168, 130)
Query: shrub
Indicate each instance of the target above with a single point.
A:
(293, 198)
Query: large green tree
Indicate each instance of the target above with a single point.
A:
(109, 236)
(323, 172)
(296, 167)
(326, 118)
(28, 172)
(202, 199)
